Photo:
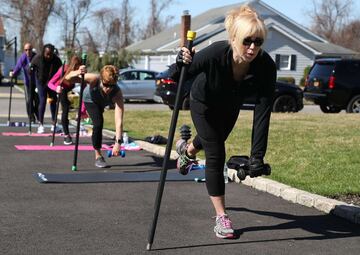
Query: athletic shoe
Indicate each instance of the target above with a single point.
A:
(181, 146)
(41, 129)
(185, 163)
(57, 129)
(68, 140)
(100, 162)
(223, 227)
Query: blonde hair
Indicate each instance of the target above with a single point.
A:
(109, 74)
(242, 22)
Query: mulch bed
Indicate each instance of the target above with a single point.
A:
(350, 199)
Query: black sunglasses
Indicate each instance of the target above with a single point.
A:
(27, 49)
(257, 42)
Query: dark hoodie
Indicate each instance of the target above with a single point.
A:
(45, 69)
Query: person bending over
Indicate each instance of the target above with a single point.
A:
(227, 73)
(101, 91)
(63, 87)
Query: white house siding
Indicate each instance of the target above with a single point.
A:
(278, 43)
(155, 63)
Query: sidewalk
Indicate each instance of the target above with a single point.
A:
(17, 92)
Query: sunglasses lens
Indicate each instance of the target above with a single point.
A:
(247, 41)
(257, 42)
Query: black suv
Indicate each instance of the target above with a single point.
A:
(334, 85)
(287, 98)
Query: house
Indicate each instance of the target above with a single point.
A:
(292, 46)
(8, 51)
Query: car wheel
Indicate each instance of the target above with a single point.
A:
(284, 103)
(329, 108)
(354, 105)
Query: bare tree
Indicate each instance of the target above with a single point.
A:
(72, 14)
(126, 24)
(155, 23)
(350, 36)
(329, 17)
(32, 16)
(117, 27)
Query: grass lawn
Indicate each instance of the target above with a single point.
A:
(318, 153)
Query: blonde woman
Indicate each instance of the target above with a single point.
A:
(227, 72)
(101, 91)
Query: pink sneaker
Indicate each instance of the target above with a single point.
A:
(223, 227)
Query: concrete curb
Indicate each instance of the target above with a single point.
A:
(344, 210)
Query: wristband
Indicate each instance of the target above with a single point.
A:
(119, 141)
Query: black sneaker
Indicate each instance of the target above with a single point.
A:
(68, 140)
(100, 162)
(256, 166)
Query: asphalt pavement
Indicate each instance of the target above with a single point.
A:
(114, 218)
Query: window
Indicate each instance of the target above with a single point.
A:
(146, 76)
(286, 62)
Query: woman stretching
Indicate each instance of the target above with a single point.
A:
(101, 91)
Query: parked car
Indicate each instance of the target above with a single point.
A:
(288, 97)
(334, 85)
(137, 84)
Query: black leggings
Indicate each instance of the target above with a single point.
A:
(31, 107)
(44, 92)
(65, 106)
(96, 114)
(213, 126)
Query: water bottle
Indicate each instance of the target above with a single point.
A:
(226, 178)
(83, 131)
(125, 138)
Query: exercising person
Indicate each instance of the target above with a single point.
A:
(227, 72)
(23, 64)
(101, 91)
(63, 87)
(45, 65)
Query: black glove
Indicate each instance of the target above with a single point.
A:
(256, 163)
(179, 58)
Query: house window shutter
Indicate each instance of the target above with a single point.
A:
(277, 61)
(293, 62)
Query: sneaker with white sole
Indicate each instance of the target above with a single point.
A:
(68, 140)
(41, 129)
(223, 227)
(100, 162)
(184, 162)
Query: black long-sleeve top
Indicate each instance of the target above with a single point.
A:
(45, 69)
(215, 86)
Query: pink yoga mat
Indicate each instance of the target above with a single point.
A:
(32, 134)
(57, 147)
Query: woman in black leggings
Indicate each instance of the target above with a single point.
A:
(59, 85)
(45, 65)
(101, 91)
(227, 72)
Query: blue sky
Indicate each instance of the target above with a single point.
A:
(295, 10)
